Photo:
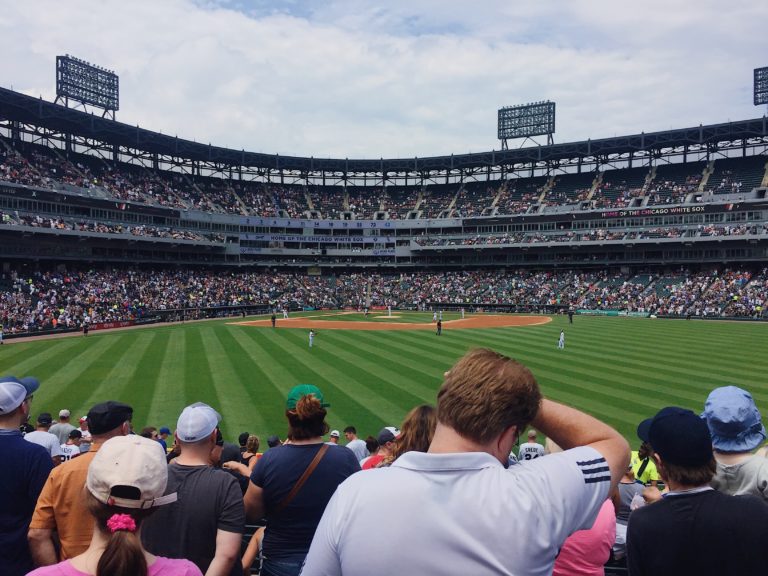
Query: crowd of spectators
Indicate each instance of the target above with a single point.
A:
(673, 191)
(399, 200)
(365, 203)
(37, 221)
(40, 300)
(517, 197)
(44, 167)
(328, 200)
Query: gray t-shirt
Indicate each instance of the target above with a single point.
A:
(747, 477)
(627, 491)
(358, 448)
(61, 430)
(208, 500)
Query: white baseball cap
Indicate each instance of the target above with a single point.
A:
(64, 413)
(12, 395)
(335, 434)
(196, 422)
(134, 468)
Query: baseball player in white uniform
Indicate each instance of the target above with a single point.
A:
(561, 341)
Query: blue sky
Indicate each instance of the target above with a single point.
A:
(362, 79)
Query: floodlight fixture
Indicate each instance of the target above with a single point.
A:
(87, 84)
(527, 121)
(761, 86)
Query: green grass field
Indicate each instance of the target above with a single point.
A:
(618, 369)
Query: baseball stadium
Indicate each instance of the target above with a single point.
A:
(628, 273)
(650, 240)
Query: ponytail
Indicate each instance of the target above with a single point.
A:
(124, 554)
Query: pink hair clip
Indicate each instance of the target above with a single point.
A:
(121, 522)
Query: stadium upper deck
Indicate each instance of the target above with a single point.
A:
(678, 196)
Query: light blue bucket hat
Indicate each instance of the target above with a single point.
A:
(733, 420)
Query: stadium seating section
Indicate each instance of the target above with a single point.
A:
(40, 299)
(42, 166)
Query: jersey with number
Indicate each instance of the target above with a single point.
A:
(69, 451)
(529, 451)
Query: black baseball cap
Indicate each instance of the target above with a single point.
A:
(680, 437)
(273, 441)
(44, 418)
(107, 416)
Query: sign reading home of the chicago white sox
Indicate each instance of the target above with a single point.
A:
(349, 224)
(322, 239)
(653, 211)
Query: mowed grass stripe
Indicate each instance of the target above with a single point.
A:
(263, 414)
(118, 375)
(13, 353)
(416, 366)
(140, 391)
(341, 390)
(689, 374)
(237, 403)
(199, 384)
(267, 378)
(720, 353)
(167, 396)
(37, 354)
(637, 376)
(416, 356)
(369, 375)
(68, 385)
(440, 349)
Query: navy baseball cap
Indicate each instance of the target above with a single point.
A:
(643, 428)
(681, 437)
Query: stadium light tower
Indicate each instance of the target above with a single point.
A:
(86, 84)
(526, 121)
(761, 86)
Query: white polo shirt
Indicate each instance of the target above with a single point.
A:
(464, 513)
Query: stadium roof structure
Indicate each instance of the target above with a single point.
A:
(17, 107)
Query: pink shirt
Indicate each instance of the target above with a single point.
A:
(161, 567)
(585, 552)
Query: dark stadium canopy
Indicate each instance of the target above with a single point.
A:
(26, 109)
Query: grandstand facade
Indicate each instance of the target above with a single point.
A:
(81, 190)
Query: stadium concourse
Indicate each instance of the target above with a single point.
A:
(35, 299)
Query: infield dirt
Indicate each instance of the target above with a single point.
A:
(490, 321)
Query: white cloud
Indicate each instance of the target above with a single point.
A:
(348, 78)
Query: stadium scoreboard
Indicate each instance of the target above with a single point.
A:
(86, 83)
(526, 121)
(761, 86)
